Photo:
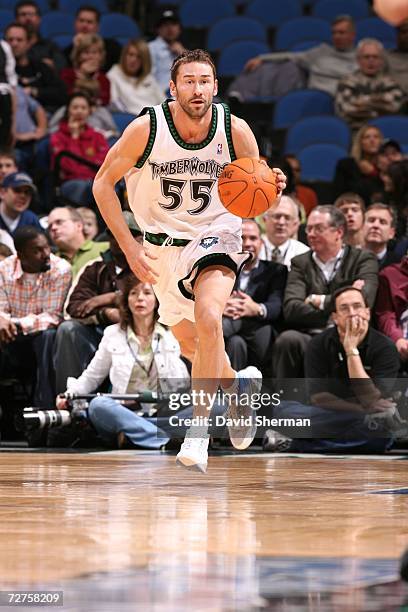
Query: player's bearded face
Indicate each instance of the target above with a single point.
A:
(194, 89)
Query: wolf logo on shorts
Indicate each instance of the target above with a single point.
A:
(207, 243)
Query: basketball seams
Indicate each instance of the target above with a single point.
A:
(247, 187)
(238, 194)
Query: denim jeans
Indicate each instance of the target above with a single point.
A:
(332, 431)
(109, 417)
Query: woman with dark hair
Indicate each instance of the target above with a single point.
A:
(360, 172)
(133, 353)
(132, 84)
(76, 136)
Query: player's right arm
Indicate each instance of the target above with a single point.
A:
(123, 156)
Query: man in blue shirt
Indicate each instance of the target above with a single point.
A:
(17, 191)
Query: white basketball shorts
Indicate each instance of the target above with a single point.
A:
(178, 267)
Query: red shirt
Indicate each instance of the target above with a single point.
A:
(392, 299)
(90, 145)
(69, 76)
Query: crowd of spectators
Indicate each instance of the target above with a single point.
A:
(68, 301)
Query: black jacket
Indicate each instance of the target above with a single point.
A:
(52, 92)
(266, 286)
(326, 363)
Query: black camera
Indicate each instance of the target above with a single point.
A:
(36, 418)
(76, 411)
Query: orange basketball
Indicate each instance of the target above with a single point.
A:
(247, 187)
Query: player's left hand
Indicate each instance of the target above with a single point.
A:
(280, 180)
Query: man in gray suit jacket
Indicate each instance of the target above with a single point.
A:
(313, 278)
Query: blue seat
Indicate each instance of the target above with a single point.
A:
(301, 103)
(233, 29)
(233, 58)
(317, 130)
(71, 6)
(6, 17)
(118, 26)
(43, 5)
(318, 161)
(373, 27)
(305, 45)
(273, 13)
(300, 30)
(55, 23)
(393, 126)
(122, 120)
(330, 9)
(199, 14)
(62, 40)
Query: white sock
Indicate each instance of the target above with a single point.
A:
(233, 388)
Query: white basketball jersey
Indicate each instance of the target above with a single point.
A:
(173, 188)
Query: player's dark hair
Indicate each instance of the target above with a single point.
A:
(342, 290)
(196, 55)
(24, 235)
(337, 218)
(19, 5)
(89, 9)
(14, 24)
(390, 209)
(350, 198)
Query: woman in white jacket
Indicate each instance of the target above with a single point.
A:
(137, 354)
(132, 84)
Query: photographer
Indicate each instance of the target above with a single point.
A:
(133, 353)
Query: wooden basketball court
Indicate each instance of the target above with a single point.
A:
(129, 530)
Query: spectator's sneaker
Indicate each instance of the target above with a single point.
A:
(243, 431)
(193, 453)
(275, 442)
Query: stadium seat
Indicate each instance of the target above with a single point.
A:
(317, 130)
(393, 126)
(233, 29)
(234, 57)
(55, 23)
(330, 9)
(304, 45)
(373, 27)
(199, 14)
(300, 30)
(43, 5)
(6, 17)
(301, 103)
(71, 6)
(273, 14)
(62, 40)
(318, 161)
(122, 120)
(119, 26)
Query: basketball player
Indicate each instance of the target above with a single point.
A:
(171, 158)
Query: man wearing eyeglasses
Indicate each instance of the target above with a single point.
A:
(351, 370)
(314, 277)
(281, 224)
